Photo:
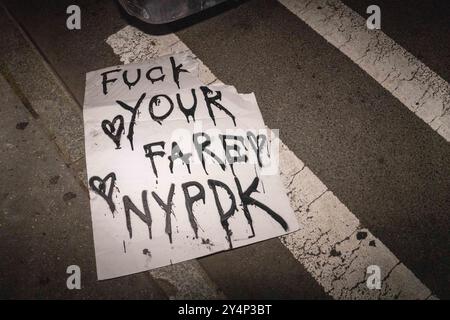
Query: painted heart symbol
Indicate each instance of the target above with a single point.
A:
(110, 129)
(104, 188)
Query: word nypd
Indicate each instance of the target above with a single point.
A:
(193, 192)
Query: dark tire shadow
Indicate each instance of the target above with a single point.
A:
(171, 27)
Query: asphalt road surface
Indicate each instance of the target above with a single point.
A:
(365, 113)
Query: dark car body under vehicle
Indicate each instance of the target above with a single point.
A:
(163, 11)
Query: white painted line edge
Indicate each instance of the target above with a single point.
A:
(409, 80)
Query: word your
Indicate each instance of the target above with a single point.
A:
(115, 128)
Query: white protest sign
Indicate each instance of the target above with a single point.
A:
(177, 170)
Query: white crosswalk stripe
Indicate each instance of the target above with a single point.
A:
(420, 89)
(332, 244)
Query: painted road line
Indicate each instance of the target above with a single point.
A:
(334, 247)
(332, 244)
(409, 80)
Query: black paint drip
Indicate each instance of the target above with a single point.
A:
(236, 148)
(167, 207)
(145, 216)
(177, 69)
(189, 201)
(212, 101)
(224, 216)
(131, 83)
(256, 145)
(248, 200)
(156, 101)
(134, 113)
(149, 153)
(202, 147)
(177, 154)
(191, 111)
